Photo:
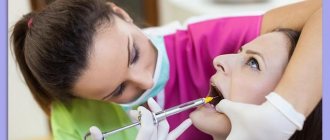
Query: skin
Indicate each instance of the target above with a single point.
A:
(121, 54)
(247, 77)
(290, 86)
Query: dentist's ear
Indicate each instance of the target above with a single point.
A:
(121, 12)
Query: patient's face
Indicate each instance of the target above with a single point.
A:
(244, 77)
(120, 66)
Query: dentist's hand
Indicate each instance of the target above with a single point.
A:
(149, 130)
(275, 119)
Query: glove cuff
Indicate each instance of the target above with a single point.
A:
(286, 109)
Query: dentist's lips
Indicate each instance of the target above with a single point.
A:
(214, 92)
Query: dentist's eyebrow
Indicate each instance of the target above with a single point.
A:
(116, 90)
(128, 50)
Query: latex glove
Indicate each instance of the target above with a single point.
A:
(151, 131)
(276, 119)
(96, 133)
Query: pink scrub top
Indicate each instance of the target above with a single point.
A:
(191, 52)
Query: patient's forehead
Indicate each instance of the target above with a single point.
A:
(274, 47)
(270, 42)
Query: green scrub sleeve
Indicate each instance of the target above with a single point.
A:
(72, 121)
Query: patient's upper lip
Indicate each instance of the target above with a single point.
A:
(215, 91)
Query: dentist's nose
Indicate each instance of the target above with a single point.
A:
(142, 80)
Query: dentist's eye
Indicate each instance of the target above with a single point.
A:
(119, 91)
(253, 63)
(136, 55)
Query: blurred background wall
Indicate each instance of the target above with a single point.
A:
(26, 121)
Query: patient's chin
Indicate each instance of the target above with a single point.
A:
(211, 122)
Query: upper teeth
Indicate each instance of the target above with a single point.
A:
(212, 84)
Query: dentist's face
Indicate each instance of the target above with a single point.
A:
(120, 66)
(244, 77)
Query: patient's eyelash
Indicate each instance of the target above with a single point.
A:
(253, 63)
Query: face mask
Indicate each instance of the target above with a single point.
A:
(160, 77)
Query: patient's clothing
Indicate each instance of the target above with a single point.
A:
(71, 122)
(191, 54)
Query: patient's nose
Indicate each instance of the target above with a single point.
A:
(223, 63)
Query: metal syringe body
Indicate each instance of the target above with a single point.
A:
(161, 115)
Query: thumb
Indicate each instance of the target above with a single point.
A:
(147, 124)
(231, 108)
(224, 106)
(134, 114)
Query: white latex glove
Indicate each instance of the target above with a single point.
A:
(96, 133)
(276, 119)
(149, 130)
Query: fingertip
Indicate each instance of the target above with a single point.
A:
(92, 129)
(134, 114)
(221, 105)
(96, 133)
(188, 121)
(140, 108)
(133, 111)
(151, 100)
(174, 134)
(153, 105)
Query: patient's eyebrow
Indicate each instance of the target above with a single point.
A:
(248, 51)
(256, 53)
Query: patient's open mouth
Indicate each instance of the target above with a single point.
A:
(213, 92)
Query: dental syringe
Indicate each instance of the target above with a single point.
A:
(161, 115)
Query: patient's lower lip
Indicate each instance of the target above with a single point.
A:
(207, 105)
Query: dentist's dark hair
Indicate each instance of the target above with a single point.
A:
(52, 46)
(312, 129)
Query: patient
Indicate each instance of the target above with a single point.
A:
(248, 77)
